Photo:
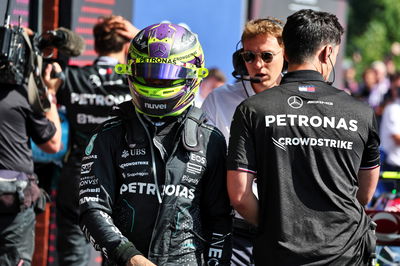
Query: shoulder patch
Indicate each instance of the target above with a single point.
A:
(213, 129)
(109, 124)
(89, 147)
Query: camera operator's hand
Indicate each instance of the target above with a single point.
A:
(28, 31)
(123, 27)
(52, 83)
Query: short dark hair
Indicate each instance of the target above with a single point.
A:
(308, 30)
(106, 39)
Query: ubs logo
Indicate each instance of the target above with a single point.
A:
(295, 102)
(133, 152)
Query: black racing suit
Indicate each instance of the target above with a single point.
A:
(172, 219)
(89, 94)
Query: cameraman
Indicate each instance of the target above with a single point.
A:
(18, 185)
(88, 93)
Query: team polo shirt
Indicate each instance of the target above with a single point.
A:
(306, 141)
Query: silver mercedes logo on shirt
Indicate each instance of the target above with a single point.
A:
(295, 102)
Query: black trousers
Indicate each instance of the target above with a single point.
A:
(242, 243)
(17, 238)
(72, 246)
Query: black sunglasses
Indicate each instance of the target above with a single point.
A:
(249, 56)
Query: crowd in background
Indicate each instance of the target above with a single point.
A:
(379, 88)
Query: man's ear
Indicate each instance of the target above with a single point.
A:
(325, 53)
(285, 56)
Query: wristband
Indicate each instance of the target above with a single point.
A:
(124, 252)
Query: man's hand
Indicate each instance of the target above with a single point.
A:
(123, 27)
(52, 83)
(139, 260)
(28, 31)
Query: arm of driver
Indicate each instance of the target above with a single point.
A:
(139, 260)
(241, 195)
(367, 180)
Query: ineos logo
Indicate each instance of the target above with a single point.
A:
(295, 102)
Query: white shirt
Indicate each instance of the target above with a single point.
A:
(198, 100)
(221, 103)
(220, 106)
(378, 92)
(390, 125)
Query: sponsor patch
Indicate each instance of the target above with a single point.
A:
(307, 88)
(89, 147)
(86, 168)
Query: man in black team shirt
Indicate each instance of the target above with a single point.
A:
(314, 150)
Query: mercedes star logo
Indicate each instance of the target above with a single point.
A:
(161, 50)
(295, 102)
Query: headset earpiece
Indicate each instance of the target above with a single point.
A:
(239, 67)
(328, 51)
(285, 66)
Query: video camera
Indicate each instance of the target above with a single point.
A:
(14, 55)
(21, 58)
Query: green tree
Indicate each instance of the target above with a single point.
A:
(373, 26)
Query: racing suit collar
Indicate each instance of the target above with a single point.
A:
(302, 75)
(135, 134)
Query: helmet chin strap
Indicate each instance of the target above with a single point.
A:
(156, 121)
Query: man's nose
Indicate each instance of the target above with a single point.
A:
(258, 62)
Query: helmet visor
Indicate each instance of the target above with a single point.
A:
(150, 71)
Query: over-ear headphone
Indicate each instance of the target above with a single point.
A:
(239, 67)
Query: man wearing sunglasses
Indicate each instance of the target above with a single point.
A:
(315, 152)
(260, 64)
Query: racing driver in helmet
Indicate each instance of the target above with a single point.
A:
(153, 186)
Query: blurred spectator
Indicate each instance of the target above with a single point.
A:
(381, 87)
(392, 93)
(350, 83)
(390, 66)
(215, 79)
(369, 80)
(390, 133)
